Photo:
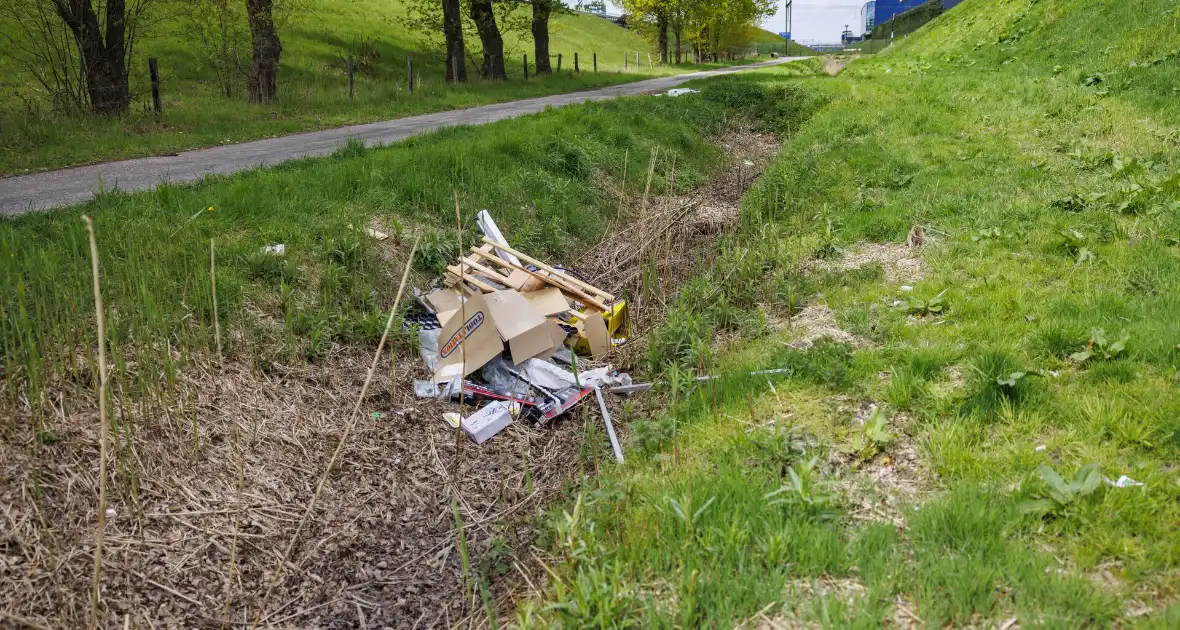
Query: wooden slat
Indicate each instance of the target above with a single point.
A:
(483, 286)
(557, 281)
(540, 265)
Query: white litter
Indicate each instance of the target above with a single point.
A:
(1122, 482)
(681, 91)
(489, 228)
(1041, 448)
(483, 424)
(906, 287)
(276, 250)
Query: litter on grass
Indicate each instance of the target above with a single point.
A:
(524, 338)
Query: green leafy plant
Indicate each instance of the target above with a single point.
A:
(921, 307)
(1057, 494)
(1077, 202)
(1101, 347)
(805, 490)
(1012, 380)
(990, 233)
(872, 438)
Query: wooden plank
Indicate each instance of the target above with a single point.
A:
(480, 284)
(540, 265)
(558, 282)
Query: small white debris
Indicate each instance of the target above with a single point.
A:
(1123, 482)
(906, 287)
(1041, 448)
(275, 250)
(111, 512)
(682, 91)
(748, 163)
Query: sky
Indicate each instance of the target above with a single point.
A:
(814, 21)
(818, 21)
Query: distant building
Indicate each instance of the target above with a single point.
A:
(884, 10)
(868, 16)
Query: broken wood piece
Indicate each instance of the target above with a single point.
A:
(557, 281)
(585, 286)
(480, 284)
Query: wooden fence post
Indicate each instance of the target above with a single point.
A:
(559, 62)
(596, 62)
(526, 67)
(624, 61)
(637, 60)
(576, 68)
(351, 81)
(649, 64)
(154, 70)
(410, 67)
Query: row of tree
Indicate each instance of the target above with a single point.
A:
(80, 51)
(712, 27)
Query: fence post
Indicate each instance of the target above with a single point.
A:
(624, 62)
(351, 82)
(596, 62)
(559, 62)
(526, 67)
(576, 68)
(154, 70)
(410, 67)
(637, 60)
(649, 64)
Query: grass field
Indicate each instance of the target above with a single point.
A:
(313, 92)
(933, 452)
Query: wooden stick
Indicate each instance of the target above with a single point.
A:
(540, 265)
(102, 425)
(343, 438)
(213, 282)
(558, 282)
(651, 169)
(480, 284)
(623, 187)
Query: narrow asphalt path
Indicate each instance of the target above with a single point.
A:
(41, 191)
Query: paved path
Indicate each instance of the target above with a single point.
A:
(39, 191)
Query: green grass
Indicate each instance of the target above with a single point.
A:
(985, 128)
(313, 91)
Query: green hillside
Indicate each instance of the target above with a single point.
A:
(313, 85)
(964, 274)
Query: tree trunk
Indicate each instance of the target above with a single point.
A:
(456, 49)
(264, 68)
(662, 36)
(489, 36)
(541, 11)
(676, 32)
(104, 55)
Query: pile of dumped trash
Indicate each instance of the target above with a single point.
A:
(506, 330)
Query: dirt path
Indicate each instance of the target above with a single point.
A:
(41, 191)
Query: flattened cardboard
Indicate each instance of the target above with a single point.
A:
(548, 301)
(596, 334)
(469, 344)
(520, 324)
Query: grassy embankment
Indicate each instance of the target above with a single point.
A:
(1044, 174)
(313, 92)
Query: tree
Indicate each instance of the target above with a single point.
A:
(263, 84)
(489, 35)
(79, 50)
(222, 35)
(540, 27)
(453, 33)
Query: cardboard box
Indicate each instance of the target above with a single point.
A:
(520, 324)
(548, 301)
(466, 345)
(483, 424)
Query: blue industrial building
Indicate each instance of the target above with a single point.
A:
(868, 16)
(883, 10)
